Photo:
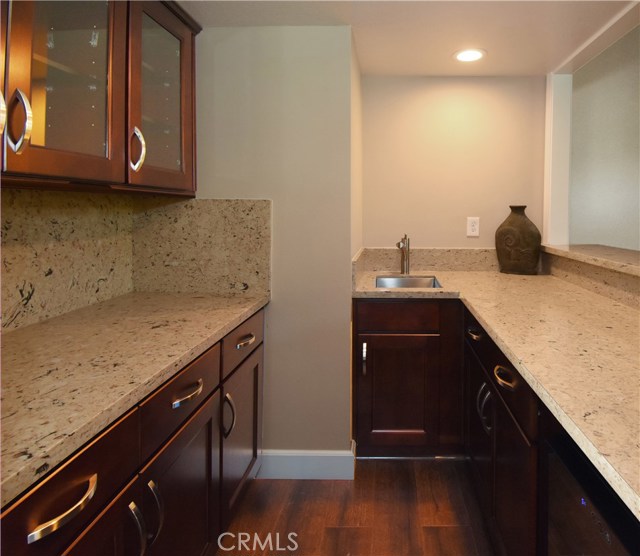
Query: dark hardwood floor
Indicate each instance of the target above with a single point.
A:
(392, 508)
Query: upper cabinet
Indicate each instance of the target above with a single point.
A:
(161, 131)
(99, 93)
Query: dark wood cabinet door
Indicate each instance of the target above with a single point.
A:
(160, 133)
(396, 381)
(240, 424)
(119, 530)
(65, 90)
(515, 486)
(180, 487)
(480, 426)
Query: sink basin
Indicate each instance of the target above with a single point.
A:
(407, 282)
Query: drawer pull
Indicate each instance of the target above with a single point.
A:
(501, 373)
(3, 113)
(364, 358)
(56, 523)
(24, 138)
(135, 166)
(229, 400)
(155, 491)
(478, 397)
(483, 418)
(246, 341)
(178, 403)
(136, 514)
(474, 334)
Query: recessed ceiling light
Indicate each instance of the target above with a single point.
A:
(470, 55)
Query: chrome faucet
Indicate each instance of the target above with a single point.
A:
(403, 245)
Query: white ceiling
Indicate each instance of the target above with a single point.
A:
(419, 37)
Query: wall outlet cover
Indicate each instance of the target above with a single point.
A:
(473, 226)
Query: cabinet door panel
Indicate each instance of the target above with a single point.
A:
(180, 487)
(240, 427)
(515, 486)
(480, 424)
(118, 531)
(160, 99)
(66, 66)
(397, 390)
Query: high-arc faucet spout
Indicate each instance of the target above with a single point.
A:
(405, 255)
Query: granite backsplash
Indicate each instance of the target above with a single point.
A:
(65, 250)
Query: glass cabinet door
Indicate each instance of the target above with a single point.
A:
(160, 141)
(65, 94)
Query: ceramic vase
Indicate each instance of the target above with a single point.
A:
(518, 243)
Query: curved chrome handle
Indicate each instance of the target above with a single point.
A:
(500, 373)
(180, 402)
(24, 138)
(136, 514)
(56, 523)
(364, 358)
(155, 491)
(3, 113)
(480, 390)
(474, 334)
(135, 166)
(229, 400)
(246, 341)
(483, 419)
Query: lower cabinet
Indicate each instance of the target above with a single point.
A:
(502, 448)
(180, 486)
(241, 433)
(407, 377)
(164, 479)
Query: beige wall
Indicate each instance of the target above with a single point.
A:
(356, 156)
(274, 123)
(605, 147)
(437, 150)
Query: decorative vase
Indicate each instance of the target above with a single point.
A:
(518, 243)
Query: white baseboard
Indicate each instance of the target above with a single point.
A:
(307, 464)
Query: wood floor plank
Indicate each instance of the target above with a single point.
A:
(347, 541)
(396, 530)
(440, 498)
(449, 541)
(391, 508)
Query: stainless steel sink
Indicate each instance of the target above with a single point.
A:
(390, 282)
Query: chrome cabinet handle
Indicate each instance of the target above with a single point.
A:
(501, 373)
(155, 491)
(136, 514)
(24, 138)
(364, 358)
(246, 341)
(56, 523)
(479, 395)
(180, 402)
(483, 419)
(135, 166)
(474, 334)
(229, 400)
(3, 113)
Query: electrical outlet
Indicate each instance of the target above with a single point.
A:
(473, 226)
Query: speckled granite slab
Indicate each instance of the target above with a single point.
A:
(579, 351)
(217, 246)
(613, 258)
(61, 251)
(66, 379)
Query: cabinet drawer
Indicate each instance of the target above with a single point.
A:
(511, 387)
(73, 494)
(169, 406)
(239, 343)
(397, 316)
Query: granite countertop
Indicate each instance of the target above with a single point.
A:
(579, 351)
(67, 378)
